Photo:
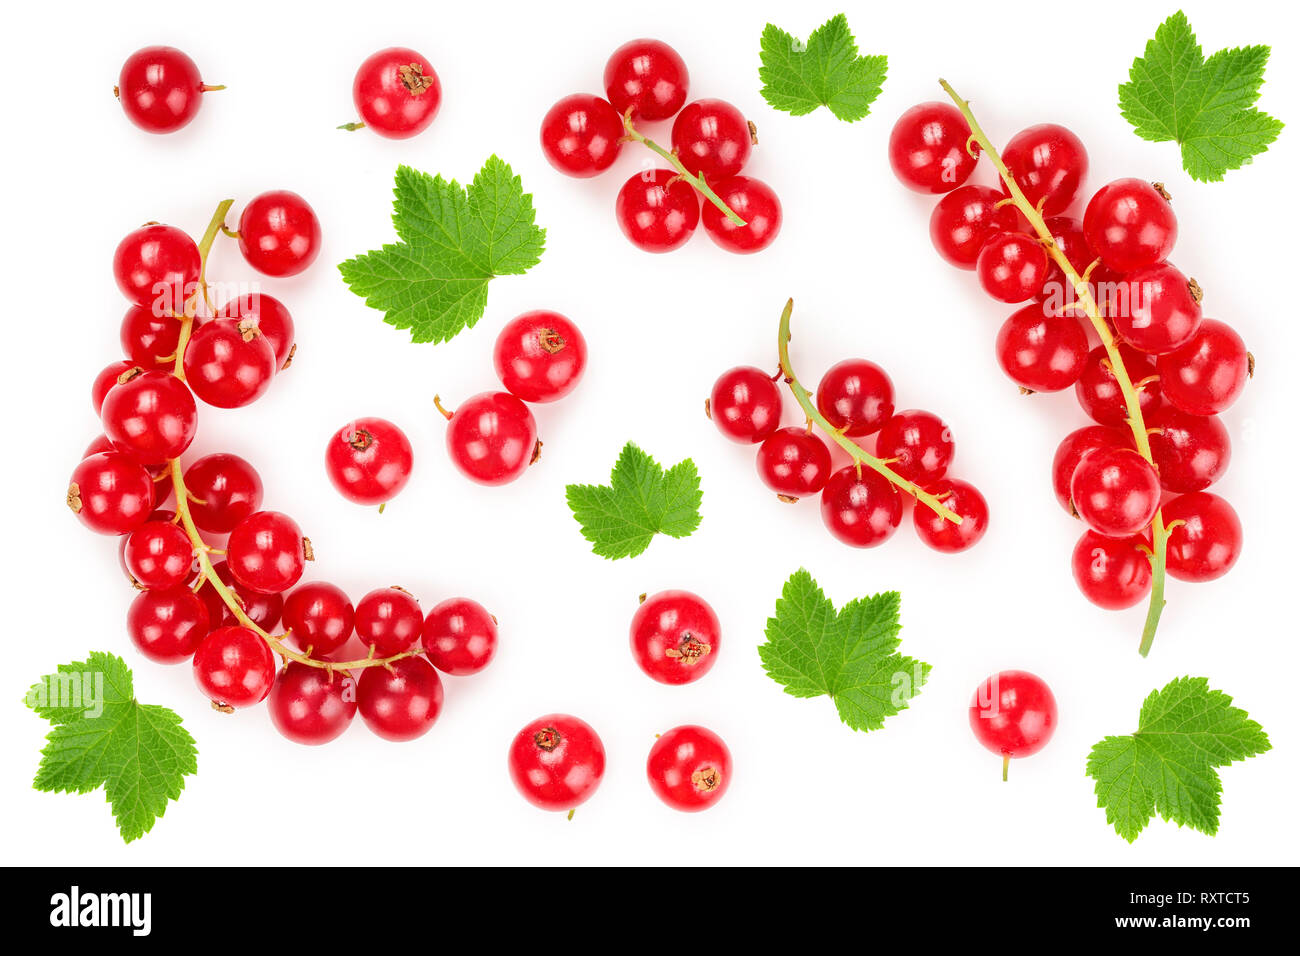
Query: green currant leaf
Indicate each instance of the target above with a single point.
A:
(850, 656)
(1206, 106)
(642, 499)
(826, 71)
(454, 241)
(1168, 765)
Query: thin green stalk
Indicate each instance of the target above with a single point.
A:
(695, 180)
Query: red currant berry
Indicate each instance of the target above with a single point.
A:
(400, 701)
(917, 445)
(963, 221)
(369, 461)
(149, 340)
(157, 267)
(492, 438)
(1156, 309)
(712, 139)
(460, 637)
(1115, 491)
(1130, 224)
(319, 616)
(1098, 390)
(856, 396)
(1205, 375)
(1049, 164)
(109, 376)
(675, 637)
(111, 493)
(264, 610)
(226, 489)
(228, 364)
(160, 89)
(556, 762)
(266, 552)
(647, 77)
(927, 148)
(1012, 267)
(582, 135)
(1112, 573)
(312, 705)
(389, 621)
(150, 416)
(1190, 452)
(234, 667)
(689, 768)
(167, 626)
(279, 234)
(1071, 451)
(753, 201)
(657, 210)
(396, 93)
(794, 462)
(159, 555)
(540, 356)
(1067, 234)
(965, 500)
(745, 404)
(1013, 714)
(269, 316)
(1204, 537)
(860, 507)
(1040, 350)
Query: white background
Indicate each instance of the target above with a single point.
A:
(856, 257)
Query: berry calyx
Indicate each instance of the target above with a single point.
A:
(1130, 224)
(1011, 266)
(160, 89)
(675, 637)
(266, 552)
(109, 377)
(459, 637)
(745, 404)
(1013, 714)
(540, 356)
(794, 463)
(396, 93)
(110, 493)
(647, 77)
(1042, 351)
(269, 316)
(927, 148)
(582, 135)
(1204, 536)
(492, 438)
(167, 626)
(312, 705)
(388, 620)
(319, 616)
(150, 416)
(1115, 491)
(234, 668)
(712, 139)
(947, 536)
(657, 210)
(228, 363)
(1112, 573)
(1049, 163)
(753, 201)
(861, 508)
(401, 700)
(689, 768)
(369, 461)
(557, 762)
(279, 234)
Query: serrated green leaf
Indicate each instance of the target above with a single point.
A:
(1206, 106)
(454, 241)
(620, 519)
(1168, 765)
(850, 656)
(826, 71)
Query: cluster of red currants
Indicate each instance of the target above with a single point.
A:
(1184, 369)
(492, 436)
(860, 506)
(659, 209)
(557, 761)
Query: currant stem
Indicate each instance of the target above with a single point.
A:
(697, 181)
(859, 456)
(1085, 300)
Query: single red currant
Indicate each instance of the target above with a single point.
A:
(753, 201)
(264, 610)
(157, 267)
(1071, 451)
(319, 616)
(492, 438)
(917, 445)
(657, 210)
(111, 493)
(1098, 390)
(266, 552)
(400, 701)
(1115, 491)
(150, 416)
(460, 637)
(745, 404)
(1130, 224)
(794, 463)
(944, 535)
(396, 92)
(98, 447)
(675, 637)
(556, 762)
(225, 490)
(109, 377)
(1013, 714)
(269, 316)
(1040, 350)
(228, 364)
(964, 220)
(1156, 309)
(582, 135)
(1112, 573)
(1049, 164)
(279, 234)
(369, 461)
(167, 626)
(160, 89)
(234, 667)
(540, 356)
(312, 705)
(648, 78)
(712, 139)
(856, 396)
(861, 507)
(1204, 537)
(1207, 373)
(149, 340)
(159, 555)
(1011, 266)
(927, 148)
(689, 768)
(1190, 452)
(389, 620)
